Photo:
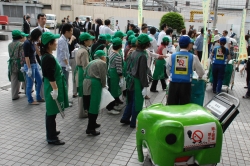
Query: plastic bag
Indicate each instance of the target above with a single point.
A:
(106, 98)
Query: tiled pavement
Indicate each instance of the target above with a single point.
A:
(22, 135)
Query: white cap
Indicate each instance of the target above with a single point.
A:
(216, 29)
(216, 37)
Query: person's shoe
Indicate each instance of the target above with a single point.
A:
(246, 87)
(132, 126)
(58, 142)
(58, 132)
(34, 103)
(118, 108)
(113, 112)
(127, 122)
(16, 98)
(246, 97)
(74, 96)
(97, 125)
(70, 104)
(154, 91)
(93, 132)
(42, 100)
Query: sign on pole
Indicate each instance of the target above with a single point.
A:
(206, 12)
(140, 8)
(243, 49)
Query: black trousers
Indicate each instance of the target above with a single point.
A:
(179, 93)
(155, 82)
(51, 128)
(111, 105)
(92, 117)
(199, 55)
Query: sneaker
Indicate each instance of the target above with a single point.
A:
(70, 104)
(113, 112)
(118, 108)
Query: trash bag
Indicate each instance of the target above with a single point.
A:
(106, 98)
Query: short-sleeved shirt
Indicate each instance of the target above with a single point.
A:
(29, 51)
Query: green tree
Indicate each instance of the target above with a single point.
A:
(173, 20)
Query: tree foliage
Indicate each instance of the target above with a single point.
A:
(173, 20)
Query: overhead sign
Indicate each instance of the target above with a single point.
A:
(200, 136)
(140, 8)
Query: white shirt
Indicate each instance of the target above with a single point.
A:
(101, 29)
(151, 55)
(41, 28)
(117, 27)
(196, 65)
(162, 34)
(153, 47)
(228, 42)
(86, 25)
(107, 30)
(169, 47)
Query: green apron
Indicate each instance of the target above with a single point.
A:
(114, 79)
(96, 92)
(80, 73)
(51, 107)
(17, 61)
(159, 69)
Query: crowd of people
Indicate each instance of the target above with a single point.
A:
(96, 60)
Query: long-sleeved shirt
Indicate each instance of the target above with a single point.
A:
(63, 51)
(15, 49)
(115, 61)
(97, 69)
(140, 68)
(198, 45)
(106, 30)
(162, 34)
(196, 65)
(82, 56)
(153, 47)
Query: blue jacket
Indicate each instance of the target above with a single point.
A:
(219, 57)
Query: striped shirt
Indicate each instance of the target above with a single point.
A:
(115, 61)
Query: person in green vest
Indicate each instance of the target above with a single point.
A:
(94, 81)
(139, 70)
(82, 58)
(115, 76)
(55, 87)
(16, 61)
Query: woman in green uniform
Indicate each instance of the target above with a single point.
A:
(94, 81)
(139, 70)
(108, 46)
(82, 58)
(55, 87)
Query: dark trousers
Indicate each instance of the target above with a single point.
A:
(111, 105)
(248, 89)
(50, 121)
(218, 76)
(92, 117)
(199, 55)
(179, 93)
(155, 82)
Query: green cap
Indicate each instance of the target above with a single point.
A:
(99, 53)
(131, 37)
(86, 36)
(108, 37)
(165, 39)
(117, 41)
(48, 36)
(119, 34)
(102, 37)
(17, 33)
(130, 32)
(133, 41)
(144, 38)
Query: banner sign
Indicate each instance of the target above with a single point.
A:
(140, 8)
(243, 48)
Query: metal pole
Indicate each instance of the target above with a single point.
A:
(215, 14)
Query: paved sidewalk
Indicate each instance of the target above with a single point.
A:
(22, 135)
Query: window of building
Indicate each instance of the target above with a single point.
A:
(47, 7)
(65, 7)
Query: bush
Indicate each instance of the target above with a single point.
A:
(173, 20)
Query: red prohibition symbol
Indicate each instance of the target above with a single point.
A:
(197, 136)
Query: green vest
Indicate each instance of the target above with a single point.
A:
(212, 40)
(51, 107)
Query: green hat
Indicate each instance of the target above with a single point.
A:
(102, 37)
(117, 41)
(119, 34)
(17, 33)
(130, 32)
(86, 36)
(144, 38)
(108, 37)
(48, 36)
(165, 39)
(131, 37)
(133, 41)
(99, 53)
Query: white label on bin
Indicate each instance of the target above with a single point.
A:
(216, 107)
(200, 136)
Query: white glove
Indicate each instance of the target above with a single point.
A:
(144, 92)
(68, 68)
(121, 82)
(54, 94)
(22, 69)
(29, 72)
